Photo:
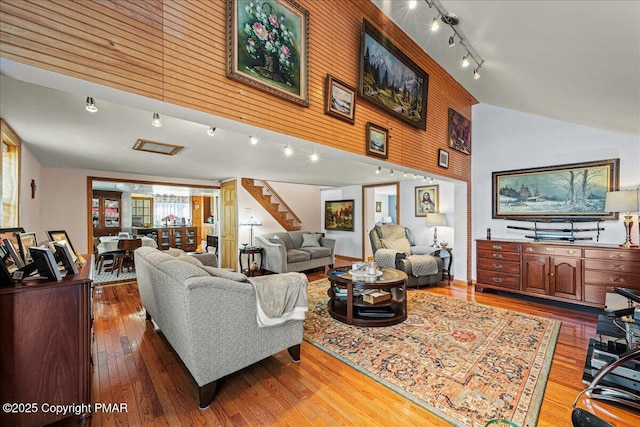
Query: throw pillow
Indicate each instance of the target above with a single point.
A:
(400, 245)
(175, 252)
(226, 274)
(191, 260)
(310, 240)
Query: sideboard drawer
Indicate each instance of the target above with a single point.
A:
(499, 279)
(613, 266)
(552, 250)
(614, 254)
(498, 265)
(487, 245)
(611, 278)
(506, 256)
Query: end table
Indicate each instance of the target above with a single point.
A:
(445, 253)
(250, 252)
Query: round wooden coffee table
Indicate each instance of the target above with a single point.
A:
(351, 308)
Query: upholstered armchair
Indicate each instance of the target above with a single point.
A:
(393, 246)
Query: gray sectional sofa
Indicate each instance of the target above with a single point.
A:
(296, 251)
(209, 316)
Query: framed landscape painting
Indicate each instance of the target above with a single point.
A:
(338, 215)
(570, 192)
(377, 141)
(340, 100)
(392, 81)
(427, 199)
(268, 47)
(459, 132)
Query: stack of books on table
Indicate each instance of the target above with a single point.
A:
(375, 296)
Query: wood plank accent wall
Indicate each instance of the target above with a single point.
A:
(175, 51)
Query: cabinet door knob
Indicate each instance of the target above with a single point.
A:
(497, 255)
(530, 249)
(616, 279)
(497, 279)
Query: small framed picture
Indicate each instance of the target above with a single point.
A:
(443, 158)
(377, 141)
(378, 206)
(340, 100)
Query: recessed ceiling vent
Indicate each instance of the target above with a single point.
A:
(156, 147)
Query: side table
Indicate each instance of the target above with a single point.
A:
(445, 253)
(250, 253)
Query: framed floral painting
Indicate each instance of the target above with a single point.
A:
(268, 47)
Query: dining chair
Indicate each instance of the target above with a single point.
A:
(104, 256)
(126, 248)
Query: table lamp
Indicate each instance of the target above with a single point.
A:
(251, 222)
(623, 201)
(436, 220)
(386, 220)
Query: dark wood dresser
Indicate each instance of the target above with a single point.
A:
(45, 349)
(575, 273)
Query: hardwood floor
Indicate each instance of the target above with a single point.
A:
(134, 365)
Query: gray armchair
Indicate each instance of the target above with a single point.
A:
(393, 246)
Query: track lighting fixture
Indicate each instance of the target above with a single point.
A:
(424, 179)
(405, 175)
(378, 170)
(314, 157)
(390, 172)
(287, 150)
(253, 140)
(415, 176)
(435, 24)
(211, 131)
(413, 4)
(156, 120)
(452, 21)
(91, 105)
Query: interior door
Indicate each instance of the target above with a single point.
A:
(229, 226)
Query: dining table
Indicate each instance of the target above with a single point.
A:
(110, 243)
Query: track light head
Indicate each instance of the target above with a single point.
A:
(391, 172)
(476, 73)
(253, 140)
(378, 170)
(413, 4)
(465, 61)
(452, 41)
(287, 150)
(314, 157)
(211, 131)
(435, 24)
(156, 120)
(91, 105)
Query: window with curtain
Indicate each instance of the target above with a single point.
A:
(10, 185)
(171, 209)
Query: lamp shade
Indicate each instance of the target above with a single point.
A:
(251, 221)
(621, 201)
(436, 219)
(386, 220)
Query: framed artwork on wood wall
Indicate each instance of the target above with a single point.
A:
(339, 100)
(268, 47)
(459, 132)
(443, 158)
(391, 80)
(377, 141)
(570, 192)
(427, 199)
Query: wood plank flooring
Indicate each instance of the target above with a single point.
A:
(134, 365)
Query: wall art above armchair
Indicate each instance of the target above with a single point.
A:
(570, 192)
(392, 81)
(268, 47)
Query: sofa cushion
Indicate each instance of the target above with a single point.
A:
(401, 245)
(317, 252)
(174, 252)
(191, 260)
(225, 274)
(297, 255)
(297, 238)
(310, 241)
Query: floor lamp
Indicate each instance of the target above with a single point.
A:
(623, 202)
(436, 220)
(251, 222)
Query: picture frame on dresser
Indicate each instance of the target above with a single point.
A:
(568, 192)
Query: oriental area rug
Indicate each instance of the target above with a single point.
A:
(465, 362)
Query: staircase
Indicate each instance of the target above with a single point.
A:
(272, 203)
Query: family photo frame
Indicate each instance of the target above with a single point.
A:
(268, 47)
(391, 80)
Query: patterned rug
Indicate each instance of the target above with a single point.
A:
(108, 278)
(465, 362)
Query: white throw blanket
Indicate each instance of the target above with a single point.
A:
(423, 265)
(280, 297)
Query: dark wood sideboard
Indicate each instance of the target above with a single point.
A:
(576, 273)
(45, 349)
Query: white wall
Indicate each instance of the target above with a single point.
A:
(506, 139)
(31, 209)
(348, 243)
